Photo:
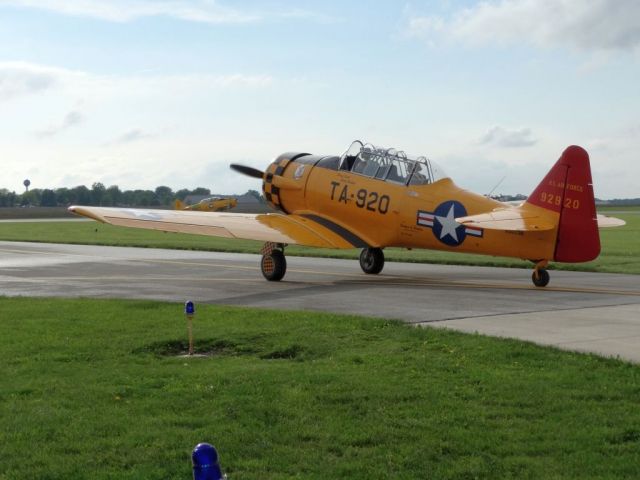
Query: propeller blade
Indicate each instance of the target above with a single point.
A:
(249, 171)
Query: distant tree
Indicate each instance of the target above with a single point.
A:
(32, 197)
(164, 195)
(7, 198)
(80, 195)
(115, 195)
(201, 191)
(144, 198)
(63, 196)
(256, 194)
(182, 193)
(48, 198)
(127, 198)
(97, 193)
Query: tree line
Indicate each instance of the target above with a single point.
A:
(99, 195)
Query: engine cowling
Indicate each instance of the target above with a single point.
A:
(282, 188)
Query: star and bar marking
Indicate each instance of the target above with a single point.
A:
(443, 223)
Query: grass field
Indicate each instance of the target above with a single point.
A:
(94, 390)
(620, 246)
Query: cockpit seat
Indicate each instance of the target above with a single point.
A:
(370, 169)
(348, 162)
(383, 171)
(393, 175)
(359, 166)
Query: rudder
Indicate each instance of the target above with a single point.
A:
(568, 190)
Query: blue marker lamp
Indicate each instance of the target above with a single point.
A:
(205, 463)
(189, 308)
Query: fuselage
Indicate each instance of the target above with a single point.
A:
(383, 213)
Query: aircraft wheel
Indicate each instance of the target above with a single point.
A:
(273, 266)
(371, 260)
(542, 279)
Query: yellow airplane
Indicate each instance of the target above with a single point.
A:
(213, 204)
(372, 198)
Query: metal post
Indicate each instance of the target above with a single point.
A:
(189, 313)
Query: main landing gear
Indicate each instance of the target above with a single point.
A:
(371, 260)
(273, 264)
(540, 276)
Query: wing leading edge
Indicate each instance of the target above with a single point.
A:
(291, 229)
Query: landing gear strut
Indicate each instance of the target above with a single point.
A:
(273, 264)
(371, 260)
(540, 276)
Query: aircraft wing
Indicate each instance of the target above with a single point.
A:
(309, 230)
(511, 219)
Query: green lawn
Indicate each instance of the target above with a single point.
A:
(93, 390)
(620, 246)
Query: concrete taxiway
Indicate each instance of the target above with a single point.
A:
(592, 312)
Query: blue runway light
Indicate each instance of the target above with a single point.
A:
(189, 308)
(205, 463)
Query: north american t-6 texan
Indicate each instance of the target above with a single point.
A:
(371, 198)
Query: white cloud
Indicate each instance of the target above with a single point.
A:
(205, 11)
(590, 25)
(71, 119)
(137, 122)
(23, 78)
(298, 13)
(503, 137)
(18, 79)
(133, 136)
(202, 11)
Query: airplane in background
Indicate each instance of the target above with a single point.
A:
(212, 204)
(372, 198)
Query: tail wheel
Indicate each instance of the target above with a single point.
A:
(371, 260)
(273, 265)
(540, 277)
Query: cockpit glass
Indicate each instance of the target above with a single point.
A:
(390, 165)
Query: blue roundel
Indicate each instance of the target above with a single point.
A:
(445, 227)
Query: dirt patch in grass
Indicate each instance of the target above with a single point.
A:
(212, 347)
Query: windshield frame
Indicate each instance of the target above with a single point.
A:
(389, 165)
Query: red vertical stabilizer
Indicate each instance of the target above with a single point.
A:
(568, 190)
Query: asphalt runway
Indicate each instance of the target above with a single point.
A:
(592, 312)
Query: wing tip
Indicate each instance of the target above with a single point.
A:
(85, 212)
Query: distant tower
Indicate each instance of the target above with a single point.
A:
(26, 184)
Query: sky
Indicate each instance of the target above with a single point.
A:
(141, 93)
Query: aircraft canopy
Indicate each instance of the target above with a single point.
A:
(390, 165)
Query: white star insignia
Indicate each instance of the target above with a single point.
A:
(449, 225)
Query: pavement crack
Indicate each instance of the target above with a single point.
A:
(521, 312)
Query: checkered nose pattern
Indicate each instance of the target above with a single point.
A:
(271, 192)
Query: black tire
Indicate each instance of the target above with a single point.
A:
(371, 260)
(273, 266)
(543, 278)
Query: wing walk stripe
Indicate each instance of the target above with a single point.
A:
(352, 238)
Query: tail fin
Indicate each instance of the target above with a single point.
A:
(568, 190)
(178, 204)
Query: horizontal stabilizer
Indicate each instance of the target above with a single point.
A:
(519, 219)
(606, 222)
